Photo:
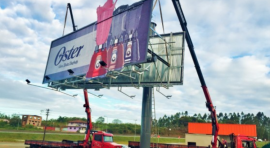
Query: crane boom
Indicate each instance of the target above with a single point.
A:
(89, 121)
(209, 104)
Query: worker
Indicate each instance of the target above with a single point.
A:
(225, 144)
(222, 144)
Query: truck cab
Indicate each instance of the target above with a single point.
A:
(103, 140)
(241, 141)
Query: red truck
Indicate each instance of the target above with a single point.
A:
(104, 140)
(236, 141)
(241, 141)
(100, 139)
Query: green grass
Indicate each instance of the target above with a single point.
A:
(124, 140)
(261, 144)
(15, 137)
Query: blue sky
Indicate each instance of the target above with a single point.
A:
(231, 39)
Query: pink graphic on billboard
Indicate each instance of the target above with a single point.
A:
(104, 20)
(104, 15)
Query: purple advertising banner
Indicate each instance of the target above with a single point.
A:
(127, 40)
(118, 38)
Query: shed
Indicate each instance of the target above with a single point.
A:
(200, 134)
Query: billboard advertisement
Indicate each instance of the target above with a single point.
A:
(153, 74)
(118, 38)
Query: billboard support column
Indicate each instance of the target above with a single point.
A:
(146, 117)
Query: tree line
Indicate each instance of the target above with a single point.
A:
(14, 120)
(181, 119)
(173, 125)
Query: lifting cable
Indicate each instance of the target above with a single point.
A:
(161, 15)
(65, 21)
(160, 10)
(162, 22)
(154, 5)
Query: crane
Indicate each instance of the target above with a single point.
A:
(209, 103)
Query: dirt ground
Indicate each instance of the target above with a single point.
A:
(13, 145)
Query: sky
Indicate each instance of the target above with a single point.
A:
(231, 40)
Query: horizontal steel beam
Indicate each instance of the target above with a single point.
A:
(159, 58)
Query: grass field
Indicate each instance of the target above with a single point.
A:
(17, 137)
(261, 144)
(124, 140)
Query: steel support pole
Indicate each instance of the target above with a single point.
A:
(146, 117)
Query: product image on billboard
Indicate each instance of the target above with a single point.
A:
(118, 38)
(121, 39)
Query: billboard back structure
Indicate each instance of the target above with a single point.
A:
(118, 38)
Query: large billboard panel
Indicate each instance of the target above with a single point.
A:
(118, 38)
(156, 74)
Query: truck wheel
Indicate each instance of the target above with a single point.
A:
(33, 146)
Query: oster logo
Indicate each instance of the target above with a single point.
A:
(65, 55)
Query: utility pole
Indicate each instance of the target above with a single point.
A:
(47, 114)
(135, 129)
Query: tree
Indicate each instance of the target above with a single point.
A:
(100, 120)
(116, 121)
(204, 117)
(15, 120)
(199, 116)
(186, 113)
(220, 116)
(225, 118)
(3, 123)
(3, 116)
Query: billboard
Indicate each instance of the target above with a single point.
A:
(150, 74)
(118, 38)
